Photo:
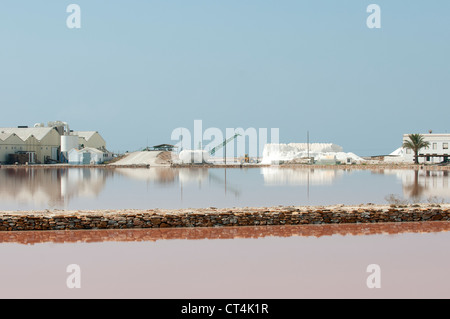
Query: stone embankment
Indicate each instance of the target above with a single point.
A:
(214, 217)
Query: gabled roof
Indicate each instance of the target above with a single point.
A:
(4, 136)
(24, 133)
(85, 134)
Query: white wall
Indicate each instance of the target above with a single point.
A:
(437, 146)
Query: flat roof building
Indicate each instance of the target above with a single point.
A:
(438, 150)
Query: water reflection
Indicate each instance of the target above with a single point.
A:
(199, 233)
(52, 187)
(165, 187)
(161, 175)
(422, 184)
(292, 176)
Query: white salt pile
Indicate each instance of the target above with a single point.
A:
(326, 153)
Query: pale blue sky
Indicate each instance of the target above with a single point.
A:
(136, 70)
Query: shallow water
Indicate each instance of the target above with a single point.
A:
(310, 261)
(142, 188)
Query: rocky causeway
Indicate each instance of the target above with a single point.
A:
(220, 217)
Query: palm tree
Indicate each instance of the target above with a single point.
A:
(415, 143)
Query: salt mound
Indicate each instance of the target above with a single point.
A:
(321, 152)
(152, 158)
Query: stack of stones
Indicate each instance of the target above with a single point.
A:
(213, 217)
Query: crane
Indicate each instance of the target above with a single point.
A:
(225, 142)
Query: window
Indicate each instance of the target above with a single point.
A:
(408, 151)
(435, 146)
(445, 146)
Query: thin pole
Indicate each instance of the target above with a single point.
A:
(307, 189)
(225, 154)
(225, 181)
(307, 141)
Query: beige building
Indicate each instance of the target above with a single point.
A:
(44, 144)
(90, 139)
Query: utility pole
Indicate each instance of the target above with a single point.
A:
(307, 141)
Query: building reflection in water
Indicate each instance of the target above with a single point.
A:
(56, 187)
(184, 177)
(419, 185)
(49, 186)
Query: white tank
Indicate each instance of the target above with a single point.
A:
(68, 142)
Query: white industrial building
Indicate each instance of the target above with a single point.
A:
(437, 152)
(87, 155)
(42, 144)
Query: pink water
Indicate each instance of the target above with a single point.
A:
(316, 261)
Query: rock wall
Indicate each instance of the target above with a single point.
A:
(213, 217)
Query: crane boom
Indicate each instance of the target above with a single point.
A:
(213, 150)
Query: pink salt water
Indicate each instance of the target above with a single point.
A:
(311, 261)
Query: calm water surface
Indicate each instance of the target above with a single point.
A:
(310, 261)
(84, 188)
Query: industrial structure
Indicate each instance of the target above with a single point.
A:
(42, 144)
(202, 156)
